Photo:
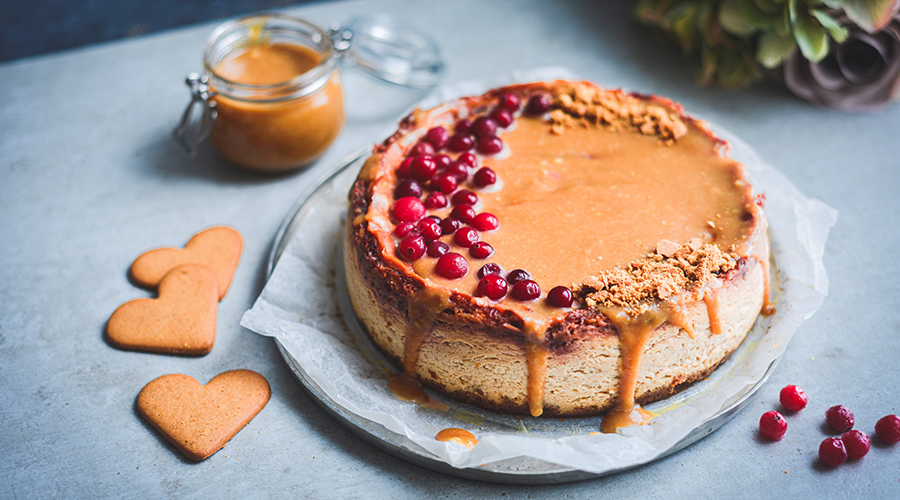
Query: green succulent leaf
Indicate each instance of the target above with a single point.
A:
(837, 32)
(733, 70)
(733, 20)
(811, 37)
(773, 49)
(682, 20)
(870, 15)
(768, 6)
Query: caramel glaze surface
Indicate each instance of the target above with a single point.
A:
(457, 435)
(574, 201)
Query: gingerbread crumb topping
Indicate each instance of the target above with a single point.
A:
(670, 270)
(583, 106)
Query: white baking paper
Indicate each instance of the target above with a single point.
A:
(302, 304)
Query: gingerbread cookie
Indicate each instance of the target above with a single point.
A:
(181, 321)
(218, 248)
(199, 420)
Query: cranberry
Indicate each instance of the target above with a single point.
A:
(464, 196)
(435, 200)
(481, 250)
(857, 444)
(526, 290)
(489, 145)
(437, 248)
(452, 266)
(509, 101)
(465, 237)
(485, 222)
(538, 104)
(839, 418)
(442, 161)
(412, 247)
(484, 127)
(460, 143)
(404, 228)
(403, 169)
(469, 159)
(491, 286)
(408, 187)
(463, 213)
(772, 425)
(462, 126)
(560, 296)
(437, 137)
(429, 229)
(435, 218)
(459, 170)
(422, 168)
(517, 275)
(409, 209)
(792, 398)
(502, 117)
(450, 225)
(444, 182)
(832, 452)
(489, 268)
(484, 177)
(888, 429)
(422, 149)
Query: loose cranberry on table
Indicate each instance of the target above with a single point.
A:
(408, 187)
(481, 250)
(437, 248)
(435, 200)
(429, 229)
(489, 145)
(502, 117)
(464, 196)
(538, 104)
(449, 225)
(839, 418)
(484, 127)
(525, 290)
(491, 286)
(412, 247)
(469, 159)
(452, 266)
(461, 143)
(792, 398)
(490, 268)
(772, 425)
(422, 168)
(832, 452)
(421, 149)
(560, 296)
(444, 182)
(408, 209)
(437, 137)
(459, 170)
(888, 429)
(484, 177)
(465, 237)
(463, 213)
(404, 228)
(857, 444)
(485, 222)
(517, 275)
(462, 126)
(508, 101)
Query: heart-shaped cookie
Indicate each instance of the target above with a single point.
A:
(218, 248)
(199, 420)
(181, 321)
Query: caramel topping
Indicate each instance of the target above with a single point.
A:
(458, 436)
(269, 64)
(411, 390)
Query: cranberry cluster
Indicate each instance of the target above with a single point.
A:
(833, 451)
(426, 169)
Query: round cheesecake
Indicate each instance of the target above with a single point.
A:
(555, 248)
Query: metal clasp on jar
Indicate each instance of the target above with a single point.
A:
(193, 130)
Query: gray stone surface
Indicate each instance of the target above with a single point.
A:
(89, 179)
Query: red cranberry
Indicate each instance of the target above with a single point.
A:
(465, 237)
(509, 101)
(502, 117)
(429, 229)
(442, 161)
(464, 196)
(857, 444)
(463, 213)
(832, 452)
(489, 268)
(489, 145)
(469, 159)
(408, 209)
(888, 429)
(459, 170)
(403, 169)
(517, 275)
(412, 247)
(839, 418)
(526, 290)
(484, 177)
(484, 127)
(437, 137)
(793, 398)
(437, 248)
(435, 200)
(422, 168)
(538, 104)
(491, 286)
(560, 296)
(460, 143)
(408, 187)
(485, 222)
(435, 218)
(481, 250)
(404, 228)
(772, 425)
(450, 225)
(445, 182)
(422, 149)
(452, 266)
(462, 126)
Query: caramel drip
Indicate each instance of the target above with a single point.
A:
(458, 436)
(767, 308)
(536, 355)
(711, 299)
(411, 390)
(678, 318)
(423, 309)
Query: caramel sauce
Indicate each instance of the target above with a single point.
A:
(407, 389)
(458, 436)
(423, 309)
(767, 308)
(711, 298)
(536, 355)
(268, 64)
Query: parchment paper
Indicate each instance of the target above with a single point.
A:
(304, 306)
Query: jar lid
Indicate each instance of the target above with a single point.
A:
(382, 48)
